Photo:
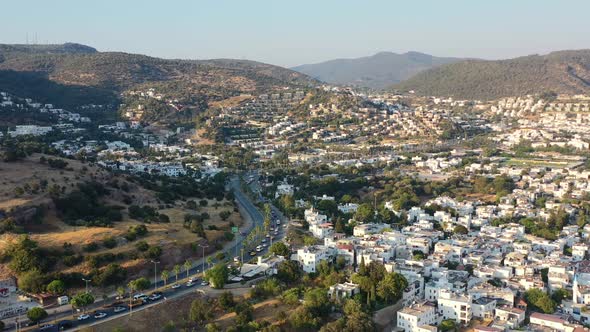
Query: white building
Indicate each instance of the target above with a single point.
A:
(348, 207)
(411, 318)
(454, 306)
(309, 257)
(30, 130)
(345, 290)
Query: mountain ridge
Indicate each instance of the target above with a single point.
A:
(376, 71)
(566, 72)
(79, 66)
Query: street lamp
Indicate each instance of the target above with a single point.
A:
(87, 281)
(203, 246)
(155, 274)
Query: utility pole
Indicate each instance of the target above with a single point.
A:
(87, 281)
(155, 274)
(203, 246)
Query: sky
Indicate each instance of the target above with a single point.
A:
(289, 33)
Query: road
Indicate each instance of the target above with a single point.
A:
(252, 218)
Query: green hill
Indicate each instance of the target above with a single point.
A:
(566, 72)
(110, 73)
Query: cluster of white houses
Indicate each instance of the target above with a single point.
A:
(504, 260)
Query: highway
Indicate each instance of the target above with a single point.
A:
(61, 317)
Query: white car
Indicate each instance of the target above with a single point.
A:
(204, 283)
(190, 284)
(83, 317)
(141, 296)
(175, 286)
(100, 315)
(258, 248)
(119, 309)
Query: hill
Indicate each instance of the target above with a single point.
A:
(110, 73)
(566, 72)
(378, 71)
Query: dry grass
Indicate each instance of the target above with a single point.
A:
(173, 237)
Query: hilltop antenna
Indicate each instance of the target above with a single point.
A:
(27, 42)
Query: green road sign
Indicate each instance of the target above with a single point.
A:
(234, 229)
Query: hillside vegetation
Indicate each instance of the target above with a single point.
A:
(106, 74)
(566, 72)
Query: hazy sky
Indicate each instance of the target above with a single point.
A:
(288, 33)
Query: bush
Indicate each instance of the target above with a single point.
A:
(109, 242)
(154, 252)
(142, 246)
(90, 247)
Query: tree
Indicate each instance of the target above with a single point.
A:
(200, 312)
(364, 213)
(460, 229)
(280, 249)
(121, 291)
(165, 275)
(560, 294)
(32, 281)
(289, 271)
(217, 276)
(447, 325)
(244, 313)
(357, 320)
(82, 300)
(226, 300)
(302, 318)
(317, 301)
(36, 314)
(56, 287)
(267, 216)
(224, 215)
(539, 301)
(176, 270)
(391, 288)
(187, 266)
(140, 284)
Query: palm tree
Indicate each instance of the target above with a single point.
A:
(165, 275)
(121, 291)
(176, 270)
(187, 266)
(132, 287)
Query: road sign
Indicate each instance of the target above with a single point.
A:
(234, 229)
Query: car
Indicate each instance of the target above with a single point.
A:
(263, 240)
(278, 222)
(100, 315)
(204, 283)
(83, 317)
(190, 284)
(119, 309)
(65, 324)
(140, 296)
(252, 253)
(155, 296)
(265, 245)
(258, 248)
(267, 235)
(175, 286)
(236, 259)
(46, 327)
